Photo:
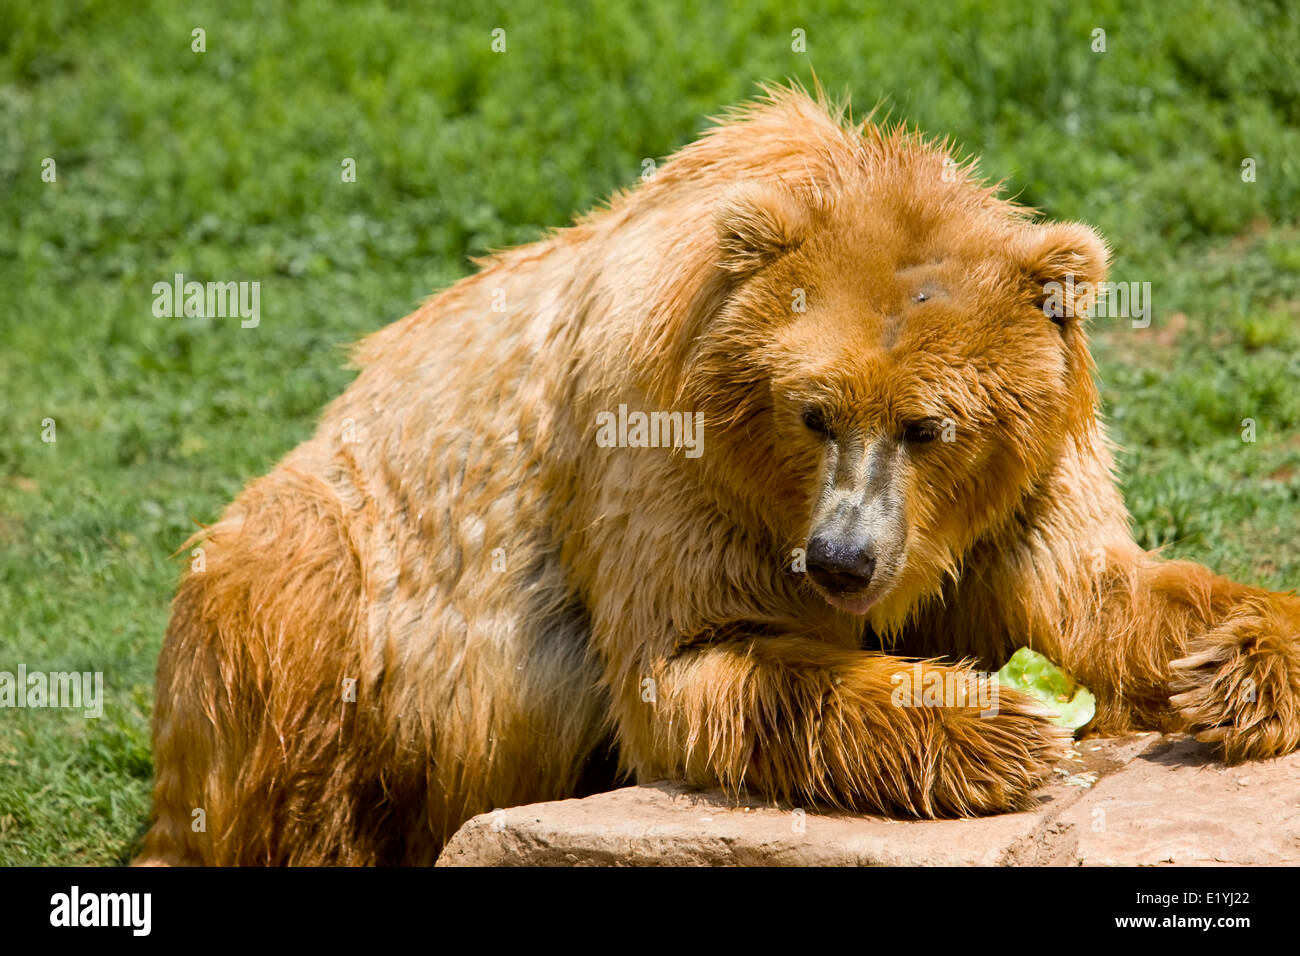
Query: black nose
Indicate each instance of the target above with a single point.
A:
(839, 565)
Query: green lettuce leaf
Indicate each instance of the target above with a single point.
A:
(1031, 673)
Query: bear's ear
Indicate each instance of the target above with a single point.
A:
(756, 224)
(1056, 260)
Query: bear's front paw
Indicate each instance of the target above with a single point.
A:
(993, 762)
(1238, 685)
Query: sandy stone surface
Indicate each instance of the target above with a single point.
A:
(1143, 800)
(1176, 805)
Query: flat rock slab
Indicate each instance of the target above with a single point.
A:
(1142, 800)
(1175, 804)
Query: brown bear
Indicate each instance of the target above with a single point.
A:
(687, 485)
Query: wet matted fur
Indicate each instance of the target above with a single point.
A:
(452, 598)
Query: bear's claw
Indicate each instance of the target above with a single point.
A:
(1238, 685)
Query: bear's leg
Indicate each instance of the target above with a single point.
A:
(805, 721)
(262, 755)
(1174, 646)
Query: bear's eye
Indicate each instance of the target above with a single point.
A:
(814, 419)
(920, 297)
(921, 432)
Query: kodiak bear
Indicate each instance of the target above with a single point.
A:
(500, 573)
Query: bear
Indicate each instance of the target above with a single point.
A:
(683, 491)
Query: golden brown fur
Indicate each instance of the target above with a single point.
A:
(511, 599)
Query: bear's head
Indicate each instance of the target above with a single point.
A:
(882, 368)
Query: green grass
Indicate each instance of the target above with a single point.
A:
(225, 166)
